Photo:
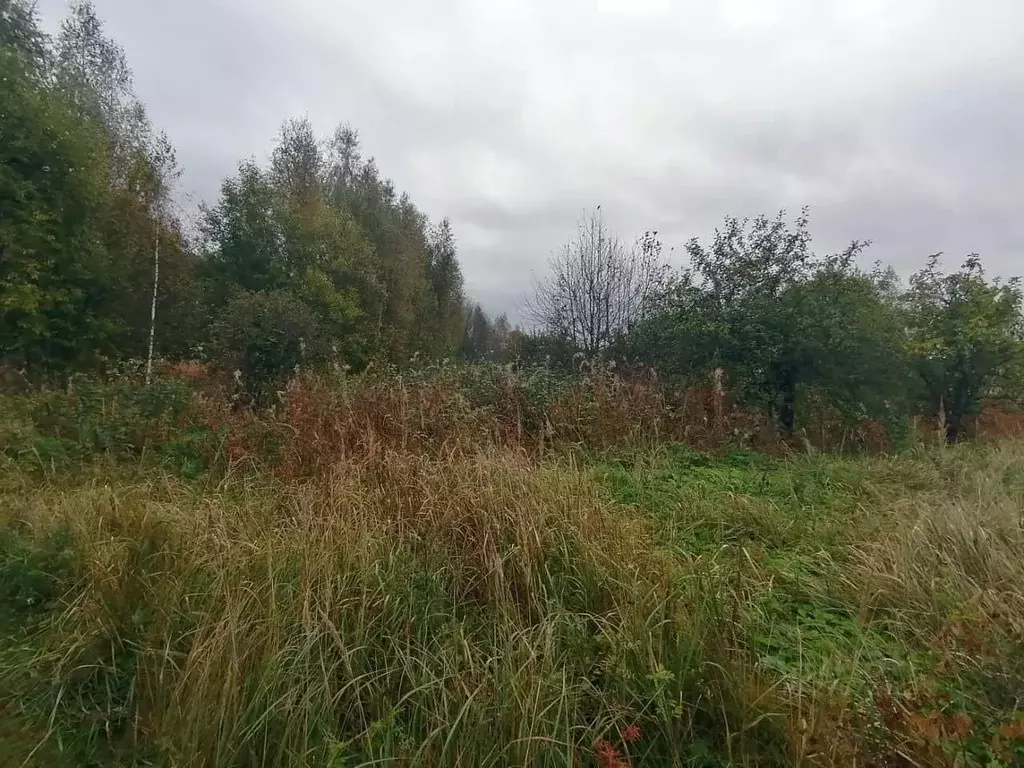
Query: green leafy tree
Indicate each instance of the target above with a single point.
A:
(484, 339)
(92, 75)
(418, 272)
(20, 34)
(89, 75)
(445, 279)
(244, 237)
(322, 224)
(736, 315)
(338, 282)
(782, 321)
(966, 338)
(56, 274)
(278, 230)
(846, 346)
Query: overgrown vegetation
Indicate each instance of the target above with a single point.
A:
(763, 511)
(459, 607)
(478, 566)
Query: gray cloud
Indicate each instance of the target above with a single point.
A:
(898, 122)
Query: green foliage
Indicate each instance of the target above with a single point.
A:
(799, 530)
(92, 76)
(243, 235)
(121, 418)
(414, 262)
(321, 226)
(20, 34)
(56, 272)
(966, 337)
(783, 323)
(848, 345)
(86, 205)
(277, 252)
(34, 574)
(445, 279)
(83, 183)
(556, 352)
(266, 337)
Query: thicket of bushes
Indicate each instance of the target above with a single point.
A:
(194, 419)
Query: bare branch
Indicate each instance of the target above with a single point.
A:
(597, 287)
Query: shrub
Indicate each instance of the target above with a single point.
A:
(119, 418)
(266, 337)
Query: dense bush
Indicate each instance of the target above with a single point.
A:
(189, 418)
(266, 337)
(120, 418)
(966, 335)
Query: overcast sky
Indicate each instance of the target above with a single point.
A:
(899, 121)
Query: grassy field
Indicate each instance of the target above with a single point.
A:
(642, 608)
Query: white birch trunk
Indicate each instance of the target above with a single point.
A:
(152, 308)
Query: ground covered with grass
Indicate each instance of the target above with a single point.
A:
(643, 607)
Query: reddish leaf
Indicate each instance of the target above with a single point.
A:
(962, 723)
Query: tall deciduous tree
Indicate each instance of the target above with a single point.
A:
(781, 321)
(598, 287)
(56, 276)
(243, 234)
(85, 159)
(92, 74)
(417, 266)
(20, 34)
(322, 225)
(445, 278)
(966, 334)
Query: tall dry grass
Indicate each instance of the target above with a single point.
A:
(462, 610)
(394, 594)
(464, 409)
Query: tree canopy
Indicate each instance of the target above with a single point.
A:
(88, 207)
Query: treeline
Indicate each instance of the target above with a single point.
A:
(315, 259)
(797, 335)
(315, 262)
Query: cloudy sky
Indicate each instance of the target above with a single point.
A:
(899, 121)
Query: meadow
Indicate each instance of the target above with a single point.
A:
(477, 569)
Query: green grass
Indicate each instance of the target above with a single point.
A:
(471, 609)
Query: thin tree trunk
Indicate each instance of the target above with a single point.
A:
(152, 308)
